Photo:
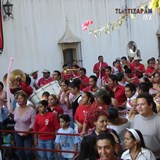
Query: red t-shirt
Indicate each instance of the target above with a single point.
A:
(67, 75)
(81, 113)
(96, 68)
(140, 67)
(46, 123)
(149, 70)
(43, 81)
(85, 79)
(105, 79)
(57, 109)
(26, 88)
(119, 94)
(88, 89)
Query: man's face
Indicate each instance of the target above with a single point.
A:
(100, 59)
(35, 75)
(143, 107)
(92, 83)
(81, 73)
(55, 76)
(46, 75)
(128, 92)
(105, 149)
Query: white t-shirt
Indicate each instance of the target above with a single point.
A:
(67, 142)
(145, 154)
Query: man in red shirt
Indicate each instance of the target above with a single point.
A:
(119, 91)
(139, 67)
(150, 70)
(93, 88)
(131, 77)
(99, 68)
(84, 79)
(45, 79)
(127, 64)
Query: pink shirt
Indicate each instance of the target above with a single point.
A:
(26, 121)
(63, 101)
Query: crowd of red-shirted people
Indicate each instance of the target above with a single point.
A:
(100, 108)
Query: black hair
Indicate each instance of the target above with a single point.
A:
(89, 95)
(149, 60)
(100, 57)
(125, 58)
(127, 70)
(113, 113)
(28, 79)
(46, 93)
(113, 78)
(83, 69)
(114, 62)
(146, 79)
(131, 86)
(93, 77)
(87, 148)
(143, 87)
(58, 72)
(2, 85)
(120, 76)
(65, 117)
(66, 82)
(75, 83)
(65, 65)
(141, 143)
(106, 99)
(109, 68)
(44, 103)
(108, 136)
(109, 91)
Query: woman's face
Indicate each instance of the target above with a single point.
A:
(64, 87)
(21, 100)
(101, 123)
(85, 99)
(105, 149)
(51, 100)
(100, 101)
(157, 78)
(129, 142)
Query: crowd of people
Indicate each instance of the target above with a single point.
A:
(111, 115)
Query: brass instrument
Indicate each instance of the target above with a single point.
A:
(132, 50)
(15, 75)
(70, 70)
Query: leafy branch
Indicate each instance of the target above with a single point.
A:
(153, 4)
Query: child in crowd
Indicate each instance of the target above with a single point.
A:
(106, 146)
(45, 122)
(66, 142)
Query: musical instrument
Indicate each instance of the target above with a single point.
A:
(132, 50)
(52, 88)
(70, 70)
(15, 75)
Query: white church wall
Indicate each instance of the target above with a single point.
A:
(32, 37)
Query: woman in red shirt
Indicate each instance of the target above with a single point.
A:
(83, 109)
(54, 105)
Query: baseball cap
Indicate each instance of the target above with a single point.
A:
(45, 71)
